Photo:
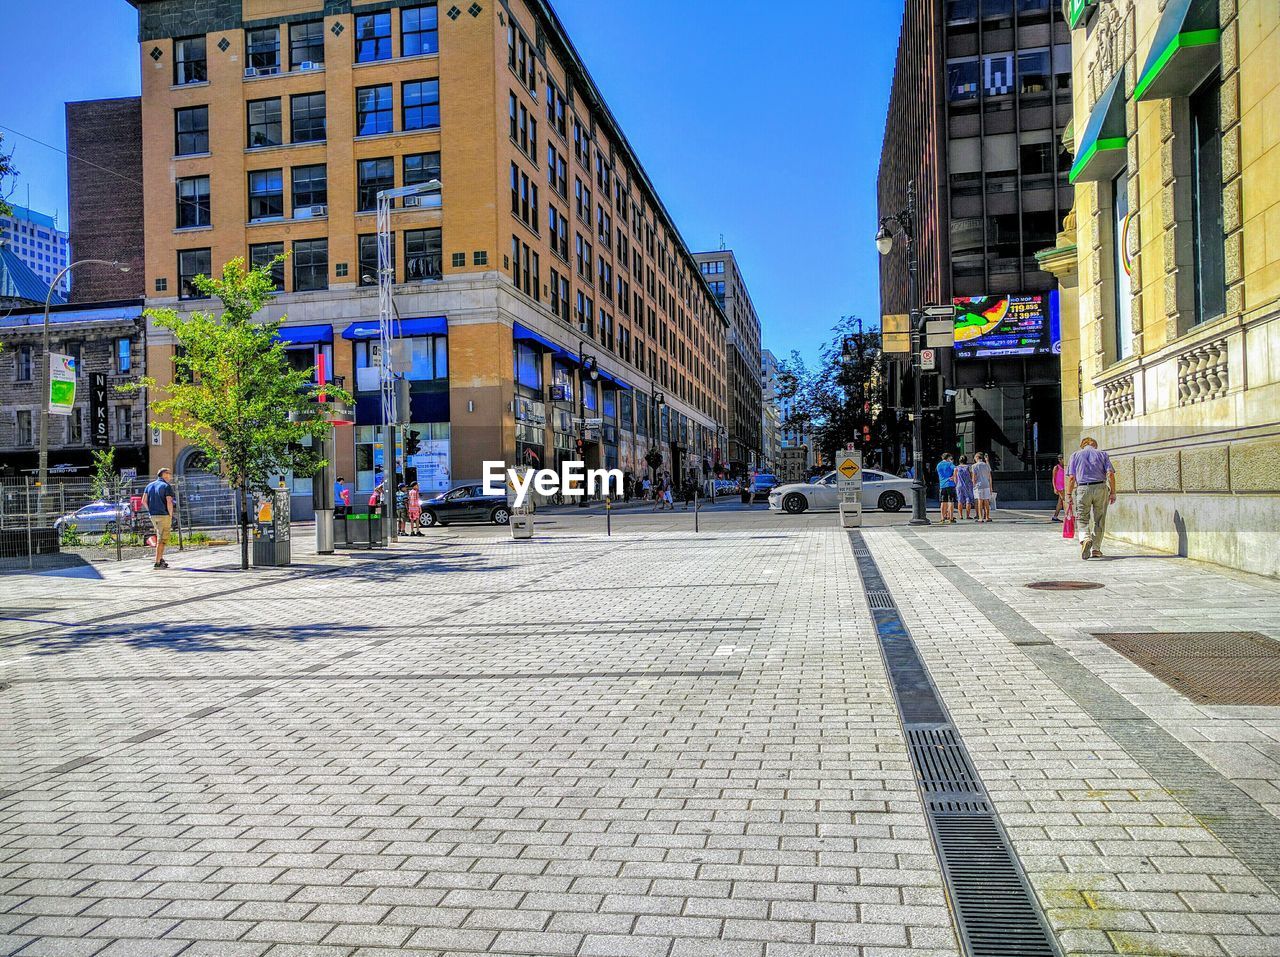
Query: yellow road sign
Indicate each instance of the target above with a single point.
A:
(848, 468)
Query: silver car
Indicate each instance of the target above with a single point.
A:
(879, 490)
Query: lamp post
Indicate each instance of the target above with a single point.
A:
(905, 221)
(588, 365)
(44, 376)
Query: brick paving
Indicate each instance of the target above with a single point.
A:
(656, 744)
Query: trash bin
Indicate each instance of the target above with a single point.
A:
(521, 525)
(360, 527)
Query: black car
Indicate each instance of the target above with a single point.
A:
(466, 503)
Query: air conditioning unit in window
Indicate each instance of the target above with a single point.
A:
(250, 72)
(310, 212)
(412, 201)
(319, 211)
(310, 65)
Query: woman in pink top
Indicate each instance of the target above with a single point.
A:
(415, 508)
(1059, 489)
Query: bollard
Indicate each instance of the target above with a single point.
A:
(697, 507)
(608, 517)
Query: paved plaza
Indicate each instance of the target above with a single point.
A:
(663, 743)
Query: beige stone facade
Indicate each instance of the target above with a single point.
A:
(1186, 393)
(521, 141)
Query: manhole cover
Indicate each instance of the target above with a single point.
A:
(1209, 667)
(1064, 586)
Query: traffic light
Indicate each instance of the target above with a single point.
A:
(866, 433)
(412, 442)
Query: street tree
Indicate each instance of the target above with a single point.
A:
(234, 394)
(840, 400)
(7, 174)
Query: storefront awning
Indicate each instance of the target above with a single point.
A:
(609, 377)
(1186, 49)
(305, 335)
(1101, 151)
(522, 333)
(400, 329)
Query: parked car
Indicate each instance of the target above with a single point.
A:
(726, 487)
(96, 517)
(465, 503)
(879, 490)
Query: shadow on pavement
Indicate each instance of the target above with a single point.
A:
(188, 637)
(58, 565)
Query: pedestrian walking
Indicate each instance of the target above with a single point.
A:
(982, 485)
(947, 488)
(1091, 483)
(415, 508)
(686, 490)
(341, 497)
(1059, 489)
(668, 487)
(375, 499)
(964, 489)
(160, 497)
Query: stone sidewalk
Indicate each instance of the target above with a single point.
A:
(655, 744)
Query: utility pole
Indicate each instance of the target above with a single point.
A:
(587, 368)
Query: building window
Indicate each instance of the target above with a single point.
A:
(418, 31)
(124, 423)
(192, 263)
(373, 110)
(75, 427)
(1123, 301)
(524, 198)
(581, 143)
(23, 364)
(373, 37)
(262, 49)
(369, 258)
(192, 128)
(582, 248)
(310, 264)
(558, 227)
(1034, 74)
(555, 109)
(189, 64)
(372, 176)
(124, 355)
(263, 254)
(962, 80)
(422, 255)
(306, 44)
(265, 128)
(560, 295)
(480, 257)
(1206, 209)
(998, 73)
(266, 194)
(310, 189)
(422, 168)
(420, 105)
(193, 202)
(306, 113)
(24, 427)
(556, 172)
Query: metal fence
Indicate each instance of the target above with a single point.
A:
(77, 513)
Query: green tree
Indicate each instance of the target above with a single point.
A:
(7, 173)
(833, 402)
(104, 481)
(234, 394)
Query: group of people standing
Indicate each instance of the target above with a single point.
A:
(965, 488)
(408, 502)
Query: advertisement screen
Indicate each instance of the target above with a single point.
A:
(993, 326)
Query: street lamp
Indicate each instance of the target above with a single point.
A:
(905, 221)
(44, 376)
(589, 365)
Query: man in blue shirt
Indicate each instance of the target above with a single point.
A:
(1091, 484)
(947, 488)
(159, 496)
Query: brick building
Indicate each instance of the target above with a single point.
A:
(269, 127)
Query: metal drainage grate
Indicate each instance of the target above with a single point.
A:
(997, 914)
(994, 908)
(1209, 667)
(1064, 586)
(879, 599)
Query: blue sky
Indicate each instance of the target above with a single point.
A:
(756, 121)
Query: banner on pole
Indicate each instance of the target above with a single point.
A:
(62, 384)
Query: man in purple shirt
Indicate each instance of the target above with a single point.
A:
(1091, 484)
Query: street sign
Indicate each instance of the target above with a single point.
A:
(940, 327)
(99, 431)
(940, 312)
(849, 487)
(848, 467)
(928, 360)
(62, 384)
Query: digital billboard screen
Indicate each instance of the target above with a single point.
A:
(989, 327)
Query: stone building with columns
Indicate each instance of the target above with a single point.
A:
(1169, 270)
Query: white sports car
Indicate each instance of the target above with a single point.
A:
(879, 490)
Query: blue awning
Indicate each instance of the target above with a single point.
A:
(400, 329)
(522, 333)
(609, 377)
(305, 335)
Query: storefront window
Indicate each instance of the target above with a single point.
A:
(419, 358)
(561, 383)
(610, 403)
(1123, 292)
(430, 467)
(589, 391)
(528, 366)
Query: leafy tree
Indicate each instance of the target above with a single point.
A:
(834, 401)
(104, 482)
(233, 389)
(7, 173)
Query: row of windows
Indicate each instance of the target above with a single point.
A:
(1026, 72)
(122, 416)
(375, 114)
(309, 189)
(419, 36)
(121, 362)
(309, 260)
